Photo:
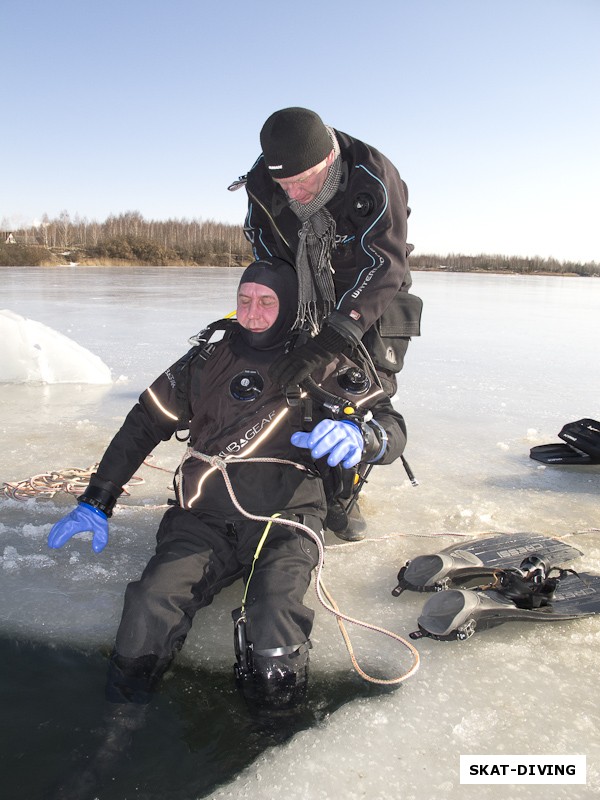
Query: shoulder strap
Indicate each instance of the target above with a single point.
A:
(199, 354)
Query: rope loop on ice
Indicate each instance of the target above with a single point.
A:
(323, 595)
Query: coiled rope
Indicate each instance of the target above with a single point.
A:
(323, 595)
(71, 480)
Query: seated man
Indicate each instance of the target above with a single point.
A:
(208, 538)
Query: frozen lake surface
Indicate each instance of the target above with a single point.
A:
(504, 361)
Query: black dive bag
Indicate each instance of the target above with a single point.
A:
(582, 445)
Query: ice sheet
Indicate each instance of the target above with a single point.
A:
(503, 363)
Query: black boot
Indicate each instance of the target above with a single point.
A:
(133, 680)
(348, 525)
(119, 724)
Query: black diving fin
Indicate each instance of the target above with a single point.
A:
(560, 454)
(459, 613)
(465, 563)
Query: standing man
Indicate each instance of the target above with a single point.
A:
(337, 209)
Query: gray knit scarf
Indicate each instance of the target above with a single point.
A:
(316, 293)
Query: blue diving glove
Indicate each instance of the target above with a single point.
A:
(83, 518)
(342, 440)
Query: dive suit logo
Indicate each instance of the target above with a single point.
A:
(356, 293)
(170, 378)
(238, 444)
(343, 238)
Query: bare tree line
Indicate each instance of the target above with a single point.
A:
(499, 263)
(182, 237)
(130, 237)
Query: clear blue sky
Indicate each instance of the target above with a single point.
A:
(490, 109)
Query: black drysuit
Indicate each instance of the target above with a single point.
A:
(370, 260)
(204, 541)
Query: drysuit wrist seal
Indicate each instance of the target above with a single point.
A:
(101, 494)
(376, 441)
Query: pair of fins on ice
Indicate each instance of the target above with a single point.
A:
(580, 445)
(514, 577)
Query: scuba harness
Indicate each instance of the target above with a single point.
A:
(202, 350)
(345, 394)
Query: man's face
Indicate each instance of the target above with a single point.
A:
(257, 307)
(306, 186)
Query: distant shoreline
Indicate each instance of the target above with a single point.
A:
(141, 265)
(538, 273)
(413, 268)
(130, 240)
(135, 252)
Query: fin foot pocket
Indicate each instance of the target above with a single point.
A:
(458, 613)
(460, 565)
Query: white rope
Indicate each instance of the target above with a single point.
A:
(328, 604)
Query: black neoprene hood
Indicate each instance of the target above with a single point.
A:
(279, 276)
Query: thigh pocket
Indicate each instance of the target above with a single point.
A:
(387, 340)
(309, 546)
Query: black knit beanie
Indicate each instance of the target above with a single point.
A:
(294, 140)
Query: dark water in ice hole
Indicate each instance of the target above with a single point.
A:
(197, 735)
